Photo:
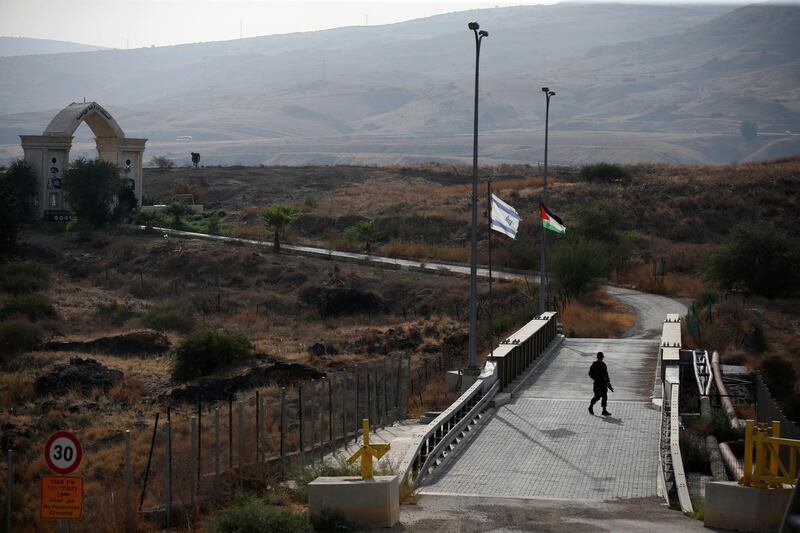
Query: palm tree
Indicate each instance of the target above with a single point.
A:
(278, 218)
(177, 210)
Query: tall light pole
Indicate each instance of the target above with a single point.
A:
(543, 261)
(472, 366)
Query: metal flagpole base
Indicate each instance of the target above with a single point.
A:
(468, 377)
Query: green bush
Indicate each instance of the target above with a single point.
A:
(91, 187)
(330, 520)
(24, 276)
(203, 352)
(791, 408)
(115, 312)
(249, 514)
(578, 265)
(313, 471)
(174, 316)
(213, 224)
(17, 335)
(761, 258)
(33, 306)
(695, 457)
(779, 375)
(605, 173)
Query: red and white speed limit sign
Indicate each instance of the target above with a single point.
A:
(63, 452)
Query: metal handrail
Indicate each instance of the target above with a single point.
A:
(455, 430)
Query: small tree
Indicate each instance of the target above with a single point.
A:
(127, 203)
(177, 210)
(761, 258)
(578, 265)
(17, 187)
(278, 219)
(365, 231)
(91, 186)
(162, 161)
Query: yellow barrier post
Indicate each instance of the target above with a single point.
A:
(367, 451)
(774, 449)
(768, 469)
(748, 453)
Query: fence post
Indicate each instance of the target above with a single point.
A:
(149, 461)
(330, 415)
(128, 483)
(385, 394)
(283, 431)
(258, 428)
(344, 411)
(300, 416)
(230, 433)
(199, 436)
(216, 454)
(358, 394)
(397, 389)
(313, 418)
(168, 476)
(195, 480)
(240, 438)
(9, 487)
(369, 399)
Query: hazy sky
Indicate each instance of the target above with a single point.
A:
(137, 23)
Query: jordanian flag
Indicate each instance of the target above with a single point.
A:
(550, 220)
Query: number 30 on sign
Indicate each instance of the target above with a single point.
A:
(63, 453)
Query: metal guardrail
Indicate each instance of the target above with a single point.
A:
(510, 359)
(675, 451)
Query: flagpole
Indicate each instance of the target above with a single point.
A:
(489, 219)
(543, 261)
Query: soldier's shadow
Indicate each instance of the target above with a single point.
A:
(613, 420)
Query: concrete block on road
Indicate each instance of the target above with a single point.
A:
(729, 505)
(365, 502)
(500, 399)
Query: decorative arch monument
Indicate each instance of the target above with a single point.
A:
(48, 154)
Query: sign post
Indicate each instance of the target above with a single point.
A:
(62, 495)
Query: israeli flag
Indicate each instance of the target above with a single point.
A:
(505, 218)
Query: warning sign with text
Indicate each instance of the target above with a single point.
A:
(62, 497)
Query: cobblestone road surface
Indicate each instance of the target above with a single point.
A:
(545, 444)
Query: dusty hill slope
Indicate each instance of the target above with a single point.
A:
(25, 46)
(634, 83)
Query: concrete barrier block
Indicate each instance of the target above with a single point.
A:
(365, 502)
(500, 399)
(729, 505)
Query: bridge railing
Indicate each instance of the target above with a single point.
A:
(519, 350)
(509, 360)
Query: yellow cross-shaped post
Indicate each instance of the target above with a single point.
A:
(367, 451)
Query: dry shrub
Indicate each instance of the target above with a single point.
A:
(17, 335)
(247, 232)
(15, 387)
(424, 251)
(596, 315)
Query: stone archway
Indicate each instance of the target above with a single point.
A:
(48, 154)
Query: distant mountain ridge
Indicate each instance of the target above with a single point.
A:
(27, 46)
(633, 83)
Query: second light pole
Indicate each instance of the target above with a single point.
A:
(543, 262)
(472, 365)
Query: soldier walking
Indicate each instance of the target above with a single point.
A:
(602, 384)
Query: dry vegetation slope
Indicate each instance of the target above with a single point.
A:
(327, 317)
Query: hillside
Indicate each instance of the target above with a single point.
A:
(26, 46)
(634, 83)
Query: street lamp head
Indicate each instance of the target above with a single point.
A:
(483, 33)
(551, 93)
(545, 89)
(474, 26)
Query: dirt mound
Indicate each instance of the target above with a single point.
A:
(334, 301)
(216, 388)
(133, 343)
(85, 374)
